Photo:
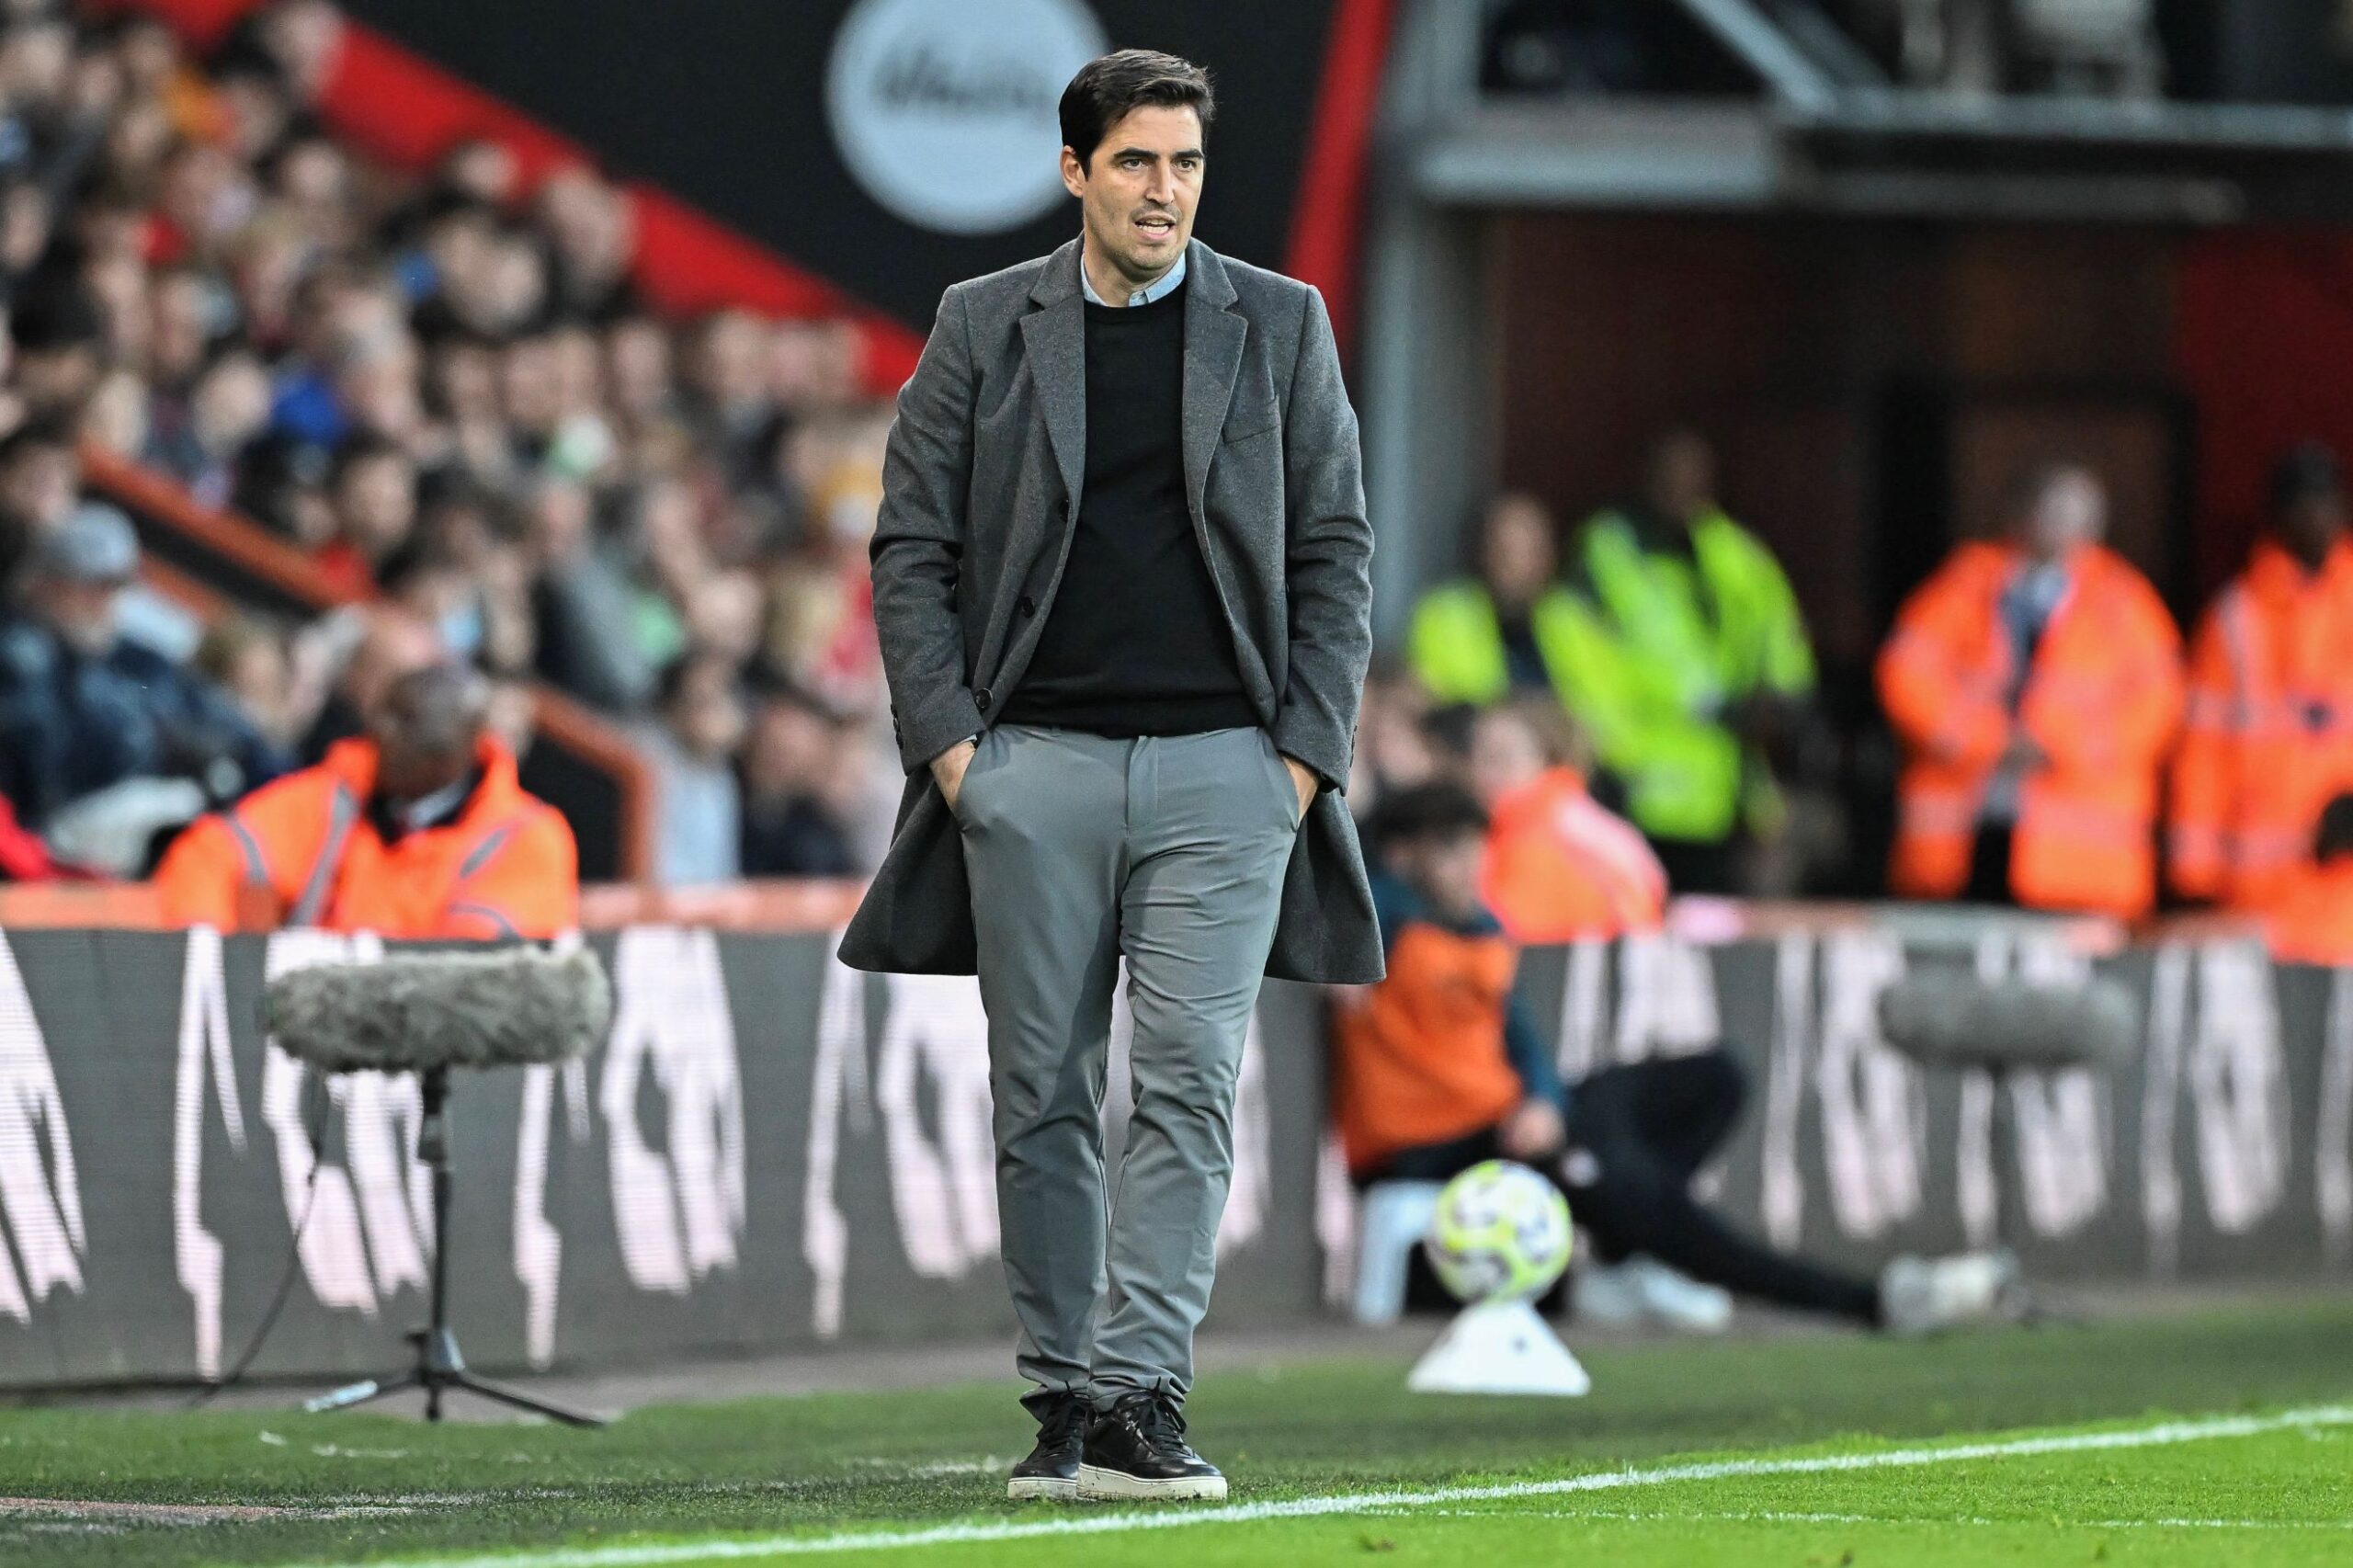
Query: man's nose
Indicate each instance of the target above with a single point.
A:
(1163, 188)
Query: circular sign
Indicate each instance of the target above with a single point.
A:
(945, 110)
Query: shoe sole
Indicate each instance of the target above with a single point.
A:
(1041, 1489)
(1099, 1486)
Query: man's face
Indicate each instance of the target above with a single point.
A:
(84, 615)
(1445, 870)
(1683, 478)
(2313, 525)
(1518, 555)
(2071, 512)
(1138, 190)
(425, 739)
(1504, 755)
(38, 488)
(377, 504)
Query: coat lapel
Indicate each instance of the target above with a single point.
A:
(1054, 338)
(1213, 339)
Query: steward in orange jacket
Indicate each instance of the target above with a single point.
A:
(2270, 738)
(2036, 686)
(1560, 867)
(2311, 921)
(419, 830)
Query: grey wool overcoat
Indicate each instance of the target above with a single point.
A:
(981, 488)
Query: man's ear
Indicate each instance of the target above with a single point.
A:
(1074, 174)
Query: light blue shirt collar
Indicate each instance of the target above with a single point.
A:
(1166, 286)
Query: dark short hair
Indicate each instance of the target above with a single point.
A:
(1110, 87)
(46, 433)
(363, 447)
(2307, 471)
(1426, 814)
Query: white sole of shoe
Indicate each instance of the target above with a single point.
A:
(1100, 1485)
(1041, 1489)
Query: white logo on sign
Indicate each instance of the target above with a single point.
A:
(43, 1206)
(2060, 1121)
(539, 1245)
(943, 1190)
(2333, 1147)
(1780, 1193)
(838, 1089)
(678, 1210)
(198, 1256)
(1873, 1115)
(945, 110)
(2238, 1088)
(1666, 999)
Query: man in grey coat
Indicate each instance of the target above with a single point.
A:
(1122, 580)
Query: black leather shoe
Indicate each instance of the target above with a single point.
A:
(1051, 1470)
(1137, 1449)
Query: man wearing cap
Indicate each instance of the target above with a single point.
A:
(84, 707)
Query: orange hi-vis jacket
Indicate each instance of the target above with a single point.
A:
(2312, 919)
(1560, 867)
(505, 866)
(2268, 740)
(2101, 700)
(1427, 1056)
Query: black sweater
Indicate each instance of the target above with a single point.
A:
(1135, 641)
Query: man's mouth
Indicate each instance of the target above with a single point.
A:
(1157, 227)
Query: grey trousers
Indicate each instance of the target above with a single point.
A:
(1170, 852)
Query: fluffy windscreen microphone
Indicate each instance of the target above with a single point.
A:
(1957, 1020)
(413, 1012)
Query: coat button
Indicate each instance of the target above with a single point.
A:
(1026, 605)
(981, 699)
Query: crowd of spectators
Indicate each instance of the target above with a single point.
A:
(448, 393)
(2061, 750)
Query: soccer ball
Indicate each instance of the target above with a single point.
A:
(1501, 1232)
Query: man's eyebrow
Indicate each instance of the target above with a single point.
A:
(1148, 153)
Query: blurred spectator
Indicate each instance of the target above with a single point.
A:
(1697, 685)
(1393, 750)
(372, 489)
(692, 748)
(58, 339)
(791, 764)
(593, 239)
(421, 830)
(83, 709)
(2267, 742)
(1558, 866)
(582, 603)
(2036, 685)
(200, 440)
(1511, 628)
(41, 474)
(1439, 1067)
(246, 662)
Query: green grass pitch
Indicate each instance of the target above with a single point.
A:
(2218, 1438)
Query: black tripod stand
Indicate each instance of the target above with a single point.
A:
(439, 1366)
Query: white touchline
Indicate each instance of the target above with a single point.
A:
(653, 1554)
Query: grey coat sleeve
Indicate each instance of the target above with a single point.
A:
(1328, 548)
(918, 545)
